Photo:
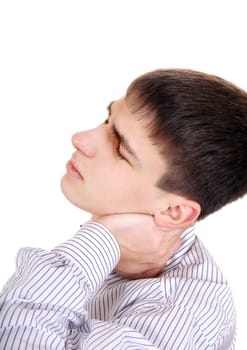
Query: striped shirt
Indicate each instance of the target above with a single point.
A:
(69, 298)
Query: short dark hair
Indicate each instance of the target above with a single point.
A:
(199, 121)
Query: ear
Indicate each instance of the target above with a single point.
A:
(181, 215)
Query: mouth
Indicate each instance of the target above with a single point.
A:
(72, 170)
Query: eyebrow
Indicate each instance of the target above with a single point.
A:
(122, 139)
(109, 107)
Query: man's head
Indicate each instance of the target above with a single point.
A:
(182, 139)
(199, 123)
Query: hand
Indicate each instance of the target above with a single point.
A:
(144, 247)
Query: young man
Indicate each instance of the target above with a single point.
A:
(172, 151)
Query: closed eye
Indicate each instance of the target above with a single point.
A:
(117, 138)
(122, 138)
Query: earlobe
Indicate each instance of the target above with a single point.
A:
(178, 216)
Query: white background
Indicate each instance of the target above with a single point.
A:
(61, 63)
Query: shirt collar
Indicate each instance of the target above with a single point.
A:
(188, 238)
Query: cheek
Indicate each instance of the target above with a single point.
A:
(118, 181)
(126, 188)
(114, 174)
(121, 185)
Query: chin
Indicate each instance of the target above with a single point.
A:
(68, 192)
(71, 194)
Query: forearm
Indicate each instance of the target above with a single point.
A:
(43, 302)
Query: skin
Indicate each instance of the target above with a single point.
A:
(114, 183)
(114, 178)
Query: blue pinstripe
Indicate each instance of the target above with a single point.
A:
(69, 298)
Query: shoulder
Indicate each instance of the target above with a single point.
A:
(197, 287)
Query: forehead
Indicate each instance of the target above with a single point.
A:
(126, 110)
(129, 120)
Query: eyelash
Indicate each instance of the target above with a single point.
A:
(120, 156)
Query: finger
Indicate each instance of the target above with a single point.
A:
(152, 272)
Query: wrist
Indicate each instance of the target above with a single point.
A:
(94, 250)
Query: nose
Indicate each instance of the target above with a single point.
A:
(83, 141)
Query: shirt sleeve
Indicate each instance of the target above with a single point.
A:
(43, 305)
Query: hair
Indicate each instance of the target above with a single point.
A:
(199, 122)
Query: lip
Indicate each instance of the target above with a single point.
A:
(72, 170)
